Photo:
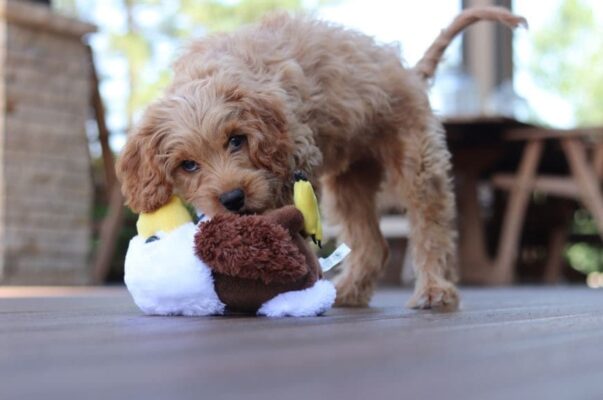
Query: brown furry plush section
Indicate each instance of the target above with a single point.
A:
(255, 258)
(250, 247)
(247, 295)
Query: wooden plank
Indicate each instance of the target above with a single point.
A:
(392, 226)
(103, 131)
(598, 160)
(109, 232)
(503, 272)
(43, 18)
(505, 343)
(556, 249)
(549, 133)
(475, 263)
(561, 186)
(113, 221)
(41, 292)
(482, 120)
(585, 178)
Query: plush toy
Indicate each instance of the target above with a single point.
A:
(253, 263)
(257, 259)
(162, 272)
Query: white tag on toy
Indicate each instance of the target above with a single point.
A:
(335, 258)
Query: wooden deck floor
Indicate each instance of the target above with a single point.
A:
(514, 343)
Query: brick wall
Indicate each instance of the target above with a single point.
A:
(46, 189)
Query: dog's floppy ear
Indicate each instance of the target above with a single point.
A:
(271, 146)
(144, 179)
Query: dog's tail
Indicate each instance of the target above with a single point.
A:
(429, 62)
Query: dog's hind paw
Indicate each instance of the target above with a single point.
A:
(441, 296)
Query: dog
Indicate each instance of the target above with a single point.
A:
(292, 93)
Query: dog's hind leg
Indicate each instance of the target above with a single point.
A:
(427, 192)
(350, 198)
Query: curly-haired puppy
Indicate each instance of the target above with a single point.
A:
(247, 109)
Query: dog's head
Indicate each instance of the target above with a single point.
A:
(222, 148)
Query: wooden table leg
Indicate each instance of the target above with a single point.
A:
(598, 160)
(554, 262)
(475, 264)
(508, 244)
(109, 232)
(586, 179)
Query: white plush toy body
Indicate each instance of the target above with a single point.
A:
(165, 277)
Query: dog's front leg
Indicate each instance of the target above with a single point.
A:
(351, 201)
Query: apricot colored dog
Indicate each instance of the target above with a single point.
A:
(247, 109)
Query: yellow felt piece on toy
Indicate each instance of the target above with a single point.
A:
(305, 201)
(167, 218)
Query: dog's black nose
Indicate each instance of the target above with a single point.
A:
(233, 200)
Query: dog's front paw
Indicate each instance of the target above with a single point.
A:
(439, 296)
(349, 295)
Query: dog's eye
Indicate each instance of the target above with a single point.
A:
(236, 142)
(189, 166)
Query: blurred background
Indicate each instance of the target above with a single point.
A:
(75, 76)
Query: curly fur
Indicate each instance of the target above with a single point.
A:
(250, 247)
(311, 96)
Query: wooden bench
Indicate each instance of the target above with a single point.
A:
(392, 226)
(481, 148)
(581, 184)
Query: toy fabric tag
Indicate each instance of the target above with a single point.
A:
(335, 258)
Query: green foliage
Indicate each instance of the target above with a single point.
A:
(137, 50)
(143, 42)
(68, 7)
(584, 224)
(179, 21)
(585, 258)
(142, 45)
(568, 55)
(221, 16)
